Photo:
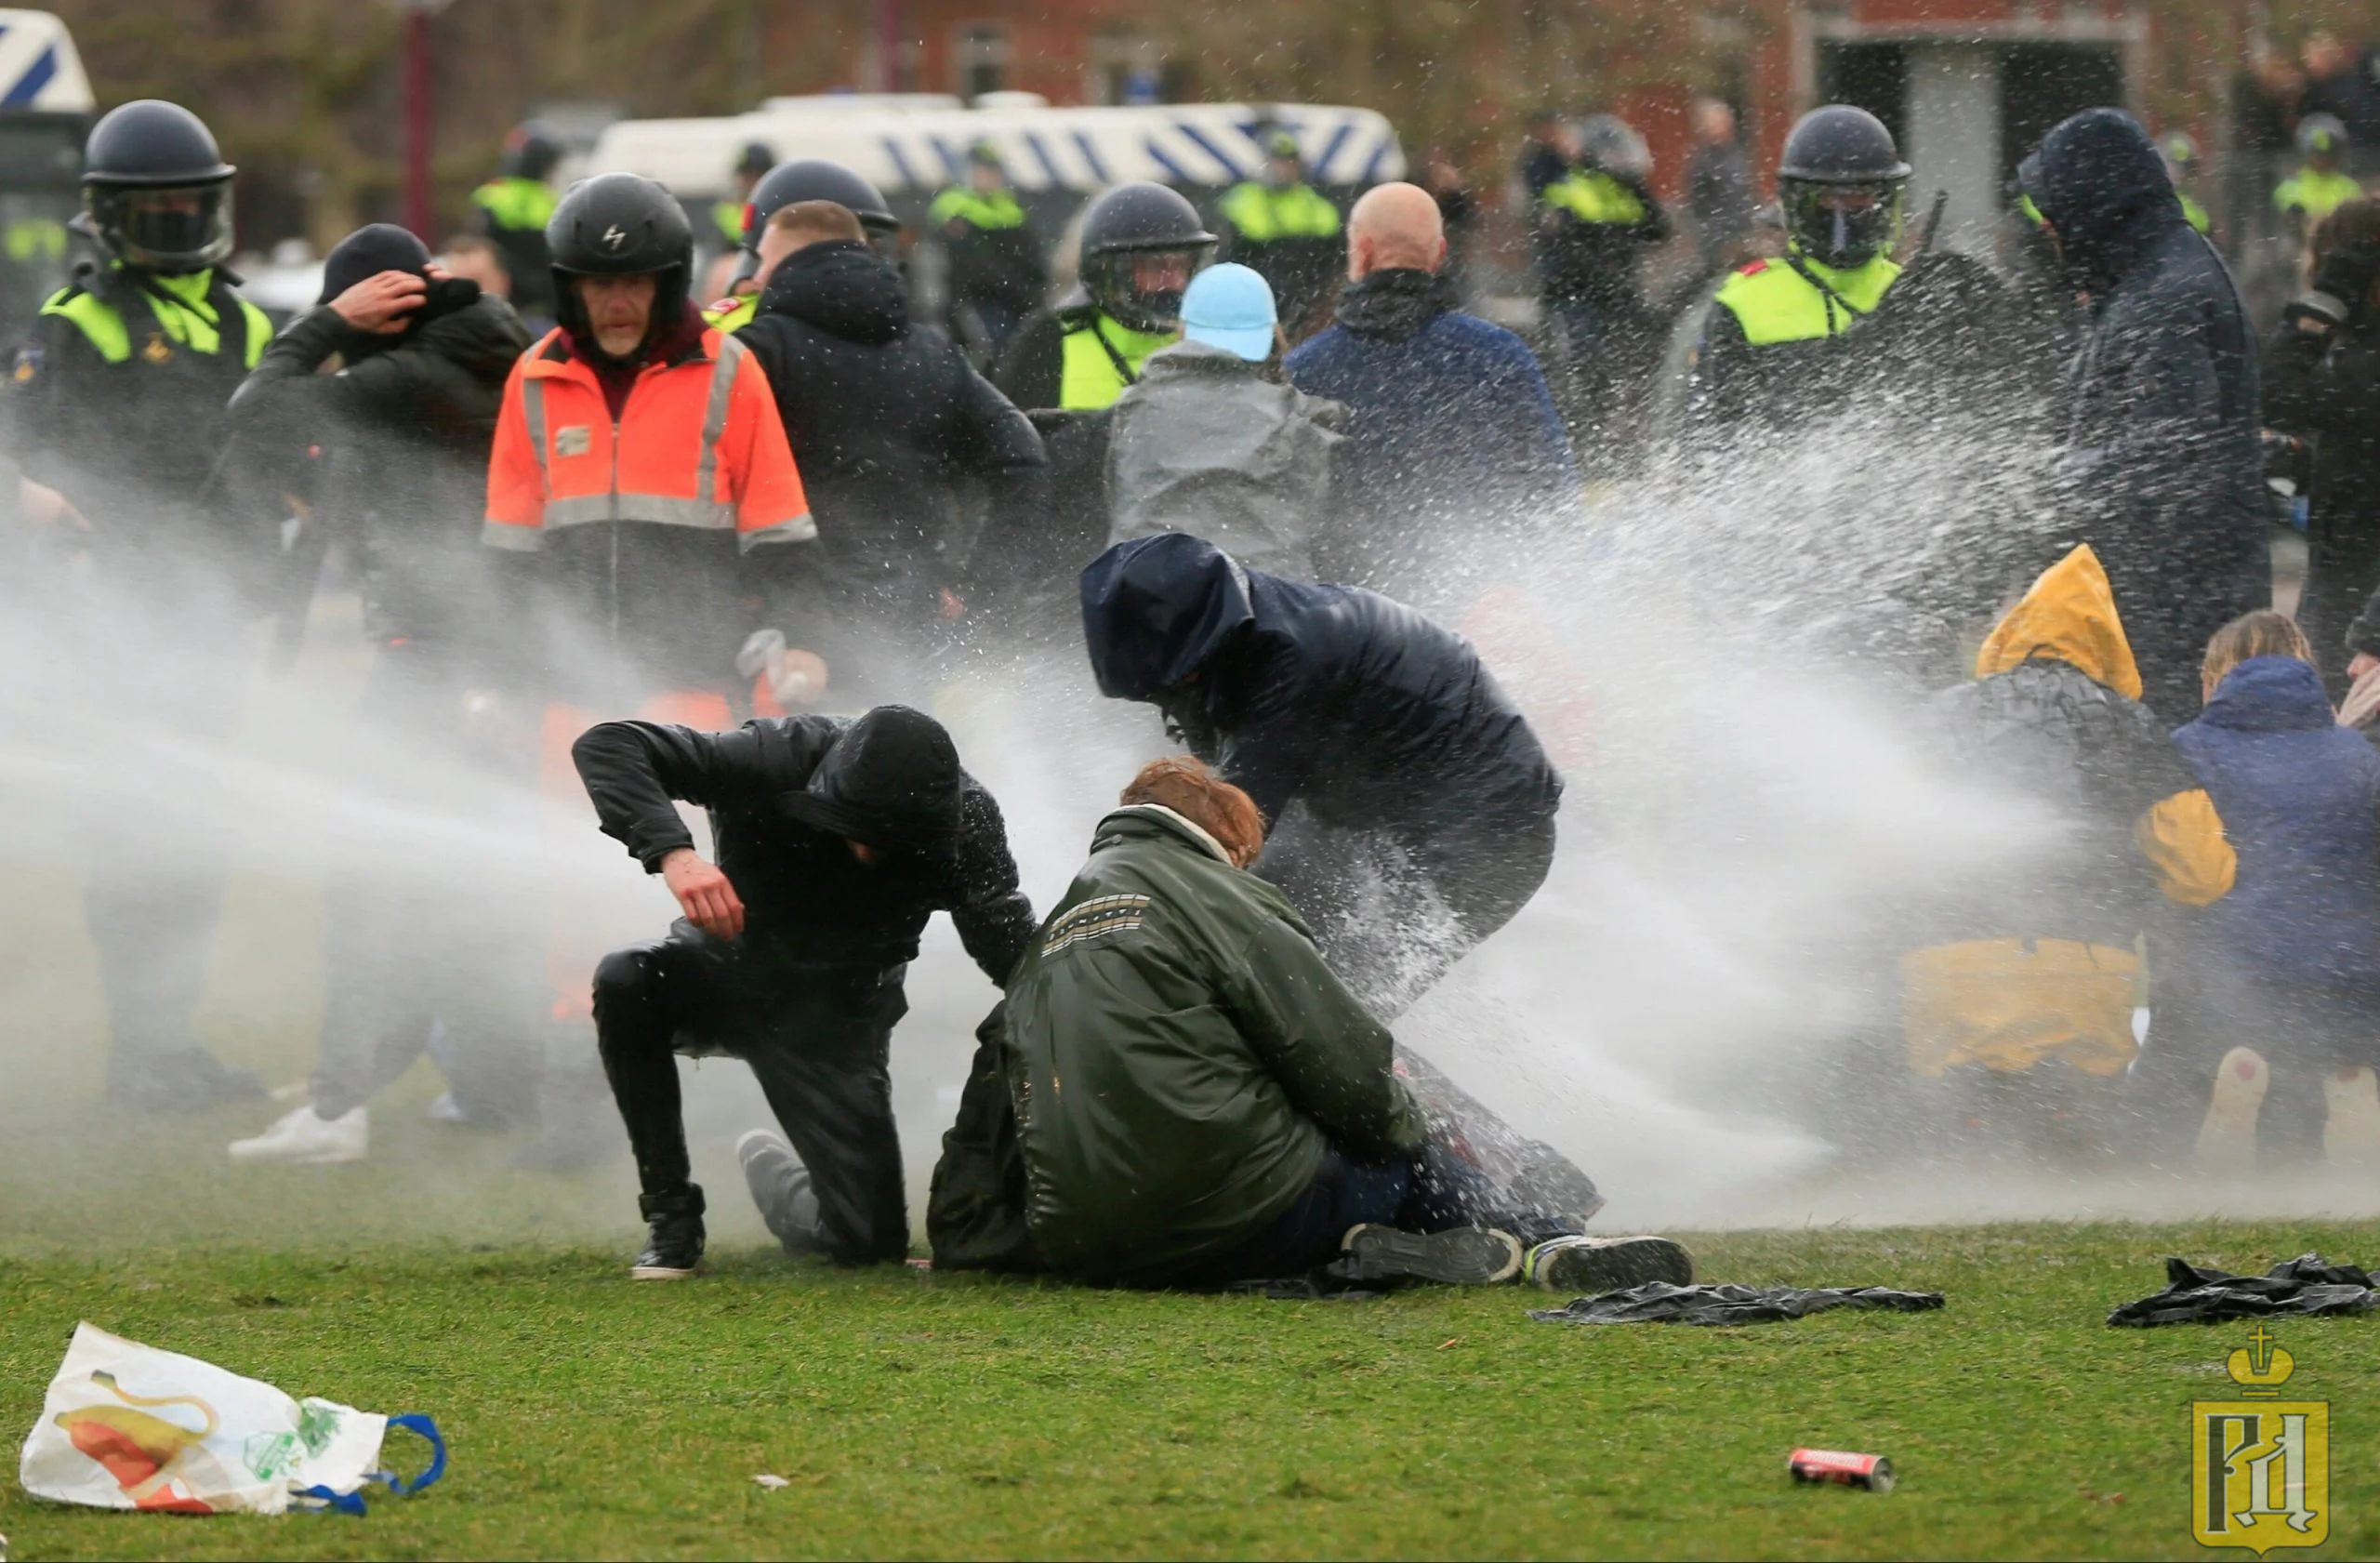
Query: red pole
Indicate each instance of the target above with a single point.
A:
(417, 185)
(887, 46)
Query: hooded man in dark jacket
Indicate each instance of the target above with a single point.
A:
(401, 435)
(1416, 778)
(2163, 474)
(836, 839)
(1451, 424)
(886, 420)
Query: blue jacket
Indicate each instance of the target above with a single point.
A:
(1449, 420)
(1373, 716)
(2300, 797)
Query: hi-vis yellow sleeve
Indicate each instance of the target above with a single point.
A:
(2183, 840)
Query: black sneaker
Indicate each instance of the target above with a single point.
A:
(1588, 1266)
(780, 1186)
(673, 1249)
(1460, 1257)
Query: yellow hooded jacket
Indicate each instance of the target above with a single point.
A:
(2008, 1003)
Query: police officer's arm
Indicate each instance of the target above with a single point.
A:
(1718, 388)
(993, 919)
(999, 447)
(1654, 227)
(1334, 1062)
(53, 394)
(1032, 367)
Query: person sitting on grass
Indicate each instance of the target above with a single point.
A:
(2289, 970)
(1200, 1102)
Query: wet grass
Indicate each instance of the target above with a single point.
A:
(924, 1415)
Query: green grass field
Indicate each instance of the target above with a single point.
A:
(923, 1416)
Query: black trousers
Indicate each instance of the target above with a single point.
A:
(818, 1040)
(1393, 915)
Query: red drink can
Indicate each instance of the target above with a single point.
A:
(1873, 1472)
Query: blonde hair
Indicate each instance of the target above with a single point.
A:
(1191, 788)
(2261, 633)
(817, 221)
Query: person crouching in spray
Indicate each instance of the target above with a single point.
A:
(1424, 805)
(1199, 1101)
(2032, 965)
(836, 839)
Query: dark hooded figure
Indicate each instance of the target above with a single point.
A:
(2163, 474)
(887, 421)
(835, 840)
(1425, 806)
(397, 443)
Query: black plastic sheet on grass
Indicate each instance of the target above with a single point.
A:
(2306, 1286)
(1659, 1303)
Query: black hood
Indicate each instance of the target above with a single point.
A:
(2101, 185)
(845, 289)
(476, 330)
(1156, 610)
(1391, 306)
(891, 780)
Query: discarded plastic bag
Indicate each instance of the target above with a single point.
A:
(1659, 1303)
(2201, 1294)
(127, 1426)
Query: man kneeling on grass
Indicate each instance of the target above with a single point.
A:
(837, 840)
(1199, 1099)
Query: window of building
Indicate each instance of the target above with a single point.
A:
(980, 59)
(1127, 68)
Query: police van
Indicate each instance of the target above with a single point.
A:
(910, 145)
(45, 110)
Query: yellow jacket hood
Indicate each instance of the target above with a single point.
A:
(2068, 616)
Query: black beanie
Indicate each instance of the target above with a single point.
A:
(367, 252)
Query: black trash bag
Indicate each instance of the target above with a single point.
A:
(1659, 1303)
(2306, 1285)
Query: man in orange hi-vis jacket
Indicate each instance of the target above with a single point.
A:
(639, 457)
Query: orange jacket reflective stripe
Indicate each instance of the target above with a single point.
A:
(699, 443)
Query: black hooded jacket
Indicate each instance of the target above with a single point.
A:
(783, 795)
(1373, 716)
(402, 433)
(886, 420)
(2325, 385)
(2163, 474)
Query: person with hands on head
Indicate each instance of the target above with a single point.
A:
(2321, 382)
(398, 437)
(835, 840)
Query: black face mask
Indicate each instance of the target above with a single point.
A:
(1109, 281)
(1836, 237)
(173, 232)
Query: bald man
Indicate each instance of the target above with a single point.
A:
(1454, 440)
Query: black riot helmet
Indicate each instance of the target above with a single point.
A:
(1127, 227)
(815, 179)
(157, 192)
(1841, 184)
(620, 225)
(531, 152)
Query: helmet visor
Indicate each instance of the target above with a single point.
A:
(1143, 288)
(171, 229)
(1842, 224)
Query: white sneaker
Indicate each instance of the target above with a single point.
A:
(2227, 1141)
(306, 1138)
(2351, 1133)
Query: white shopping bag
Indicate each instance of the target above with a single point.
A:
(127, 1426)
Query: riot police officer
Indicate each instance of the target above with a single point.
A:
(998, 274)
(118, 400)
(1141, 244)
(1842, 184)
(1289, 231)
(513, 210)
(752, 164)
(805, 179)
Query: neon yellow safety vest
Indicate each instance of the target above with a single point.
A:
(1593, 196)
(1090, 378)
(995, 213)
(1260, 214)
(1775, 304)
(728, 217)
(2193, 213)
(732, 316)
(37, 238)
(189, 322)
(2315, 193)
(516, 203)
